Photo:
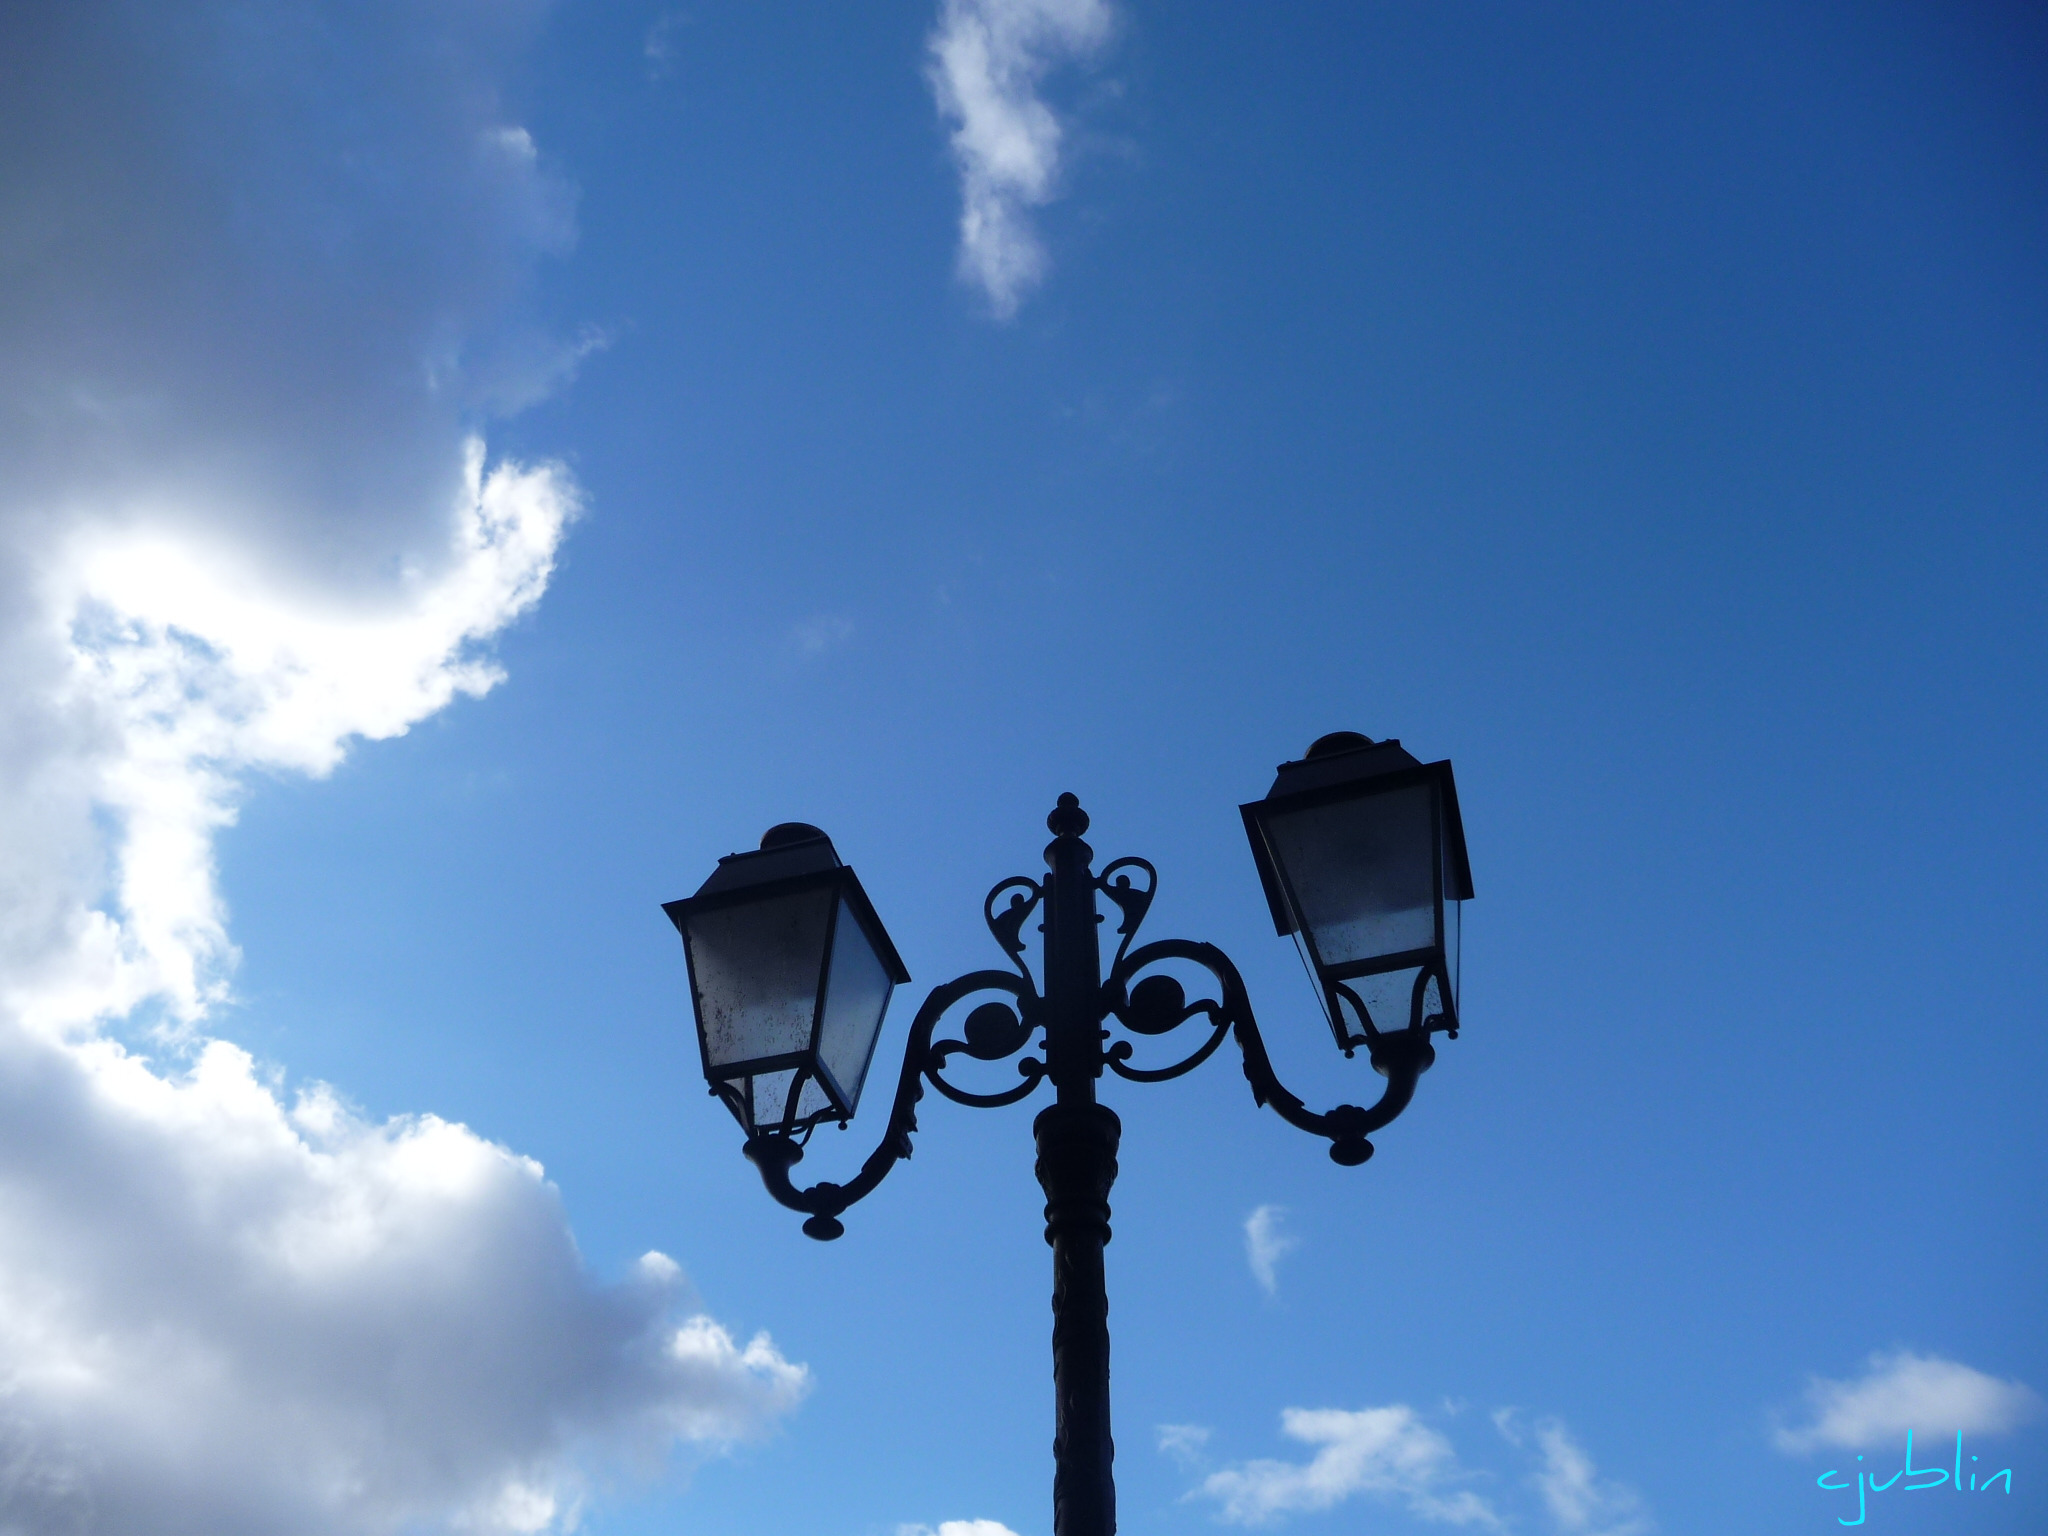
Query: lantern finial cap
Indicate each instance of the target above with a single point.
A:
(1335, 742)
(784, 833)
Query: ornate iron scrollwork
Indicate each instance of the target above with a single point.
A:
(1149, 1006)
(822, 1203)
(1131, 900)
(992, 1031)
(1158, 1004)
(1008, 925)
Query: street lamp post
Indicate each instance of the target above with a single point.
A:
(1362, 856)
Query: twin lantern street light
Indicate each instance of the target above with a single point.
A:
(1362, 856)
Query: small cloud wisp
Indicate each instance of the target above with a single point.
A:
(1266, 1242)
(1183, 1442)
(987, 59)
(1580, 1502)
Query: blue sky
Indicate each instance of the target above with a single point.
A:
(476, 465)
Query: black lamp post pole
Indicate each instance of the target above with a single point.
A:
(1077, 1145)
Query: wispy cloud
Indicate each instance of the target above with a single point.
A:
(1266, 1242)
(957, 1528)
(821, 633)
(659, 48)
(1580, 1502)
(1902, 1391)
(1387, 1452)
(1183, 1442)
(987, 61)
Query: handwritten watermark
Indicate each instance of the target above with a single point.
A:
(1933, 1476)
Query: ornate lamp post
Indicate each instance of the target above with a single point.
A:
(1362, 856)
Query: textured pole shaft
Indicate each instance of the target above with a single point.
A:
(1077, 1141)
(1077, 1146)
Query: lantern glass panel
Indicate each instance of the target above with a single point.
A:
(769, 1092)
(756, 966)
(1432, 1011)
(1389, 997)
(856, 996)
(1454, 917)
(1363, 872)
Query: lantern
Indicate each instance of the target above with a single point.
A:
(790, 972)
(1362, 855)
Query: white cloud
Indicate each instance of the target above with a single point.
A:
(1266, 1243)
(1903, 1391)
(957, 1528)
(221, 1312)
(266, 269)
(156, 667)
(1183, 1442)
(1388, 1452)
(267, 276)
(1580, 1502)
(987, 61)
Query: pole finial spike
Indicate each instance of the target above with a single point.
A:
(1067, 818)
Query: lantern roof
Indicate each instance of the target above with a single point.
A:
(1339, 758)
(790, 852)
(1344, 763)
(791, 849)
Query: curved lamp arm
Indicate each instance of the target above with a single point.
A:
(775, 1155)
(1401, 1055)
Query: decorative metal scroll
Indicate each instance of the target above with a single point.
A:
(1008, 925)
(1133, 901)
(822, 1202)
(1145, 1005)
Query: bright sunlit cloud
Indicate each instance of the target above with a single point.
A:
(161, 666)
(1904, 1391)
(987, 61)
(251, 341)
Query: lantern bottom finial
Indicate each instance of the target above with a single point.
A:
(1350, 1151)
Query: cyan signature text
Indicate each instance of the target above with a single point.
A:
(1835, 1480)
